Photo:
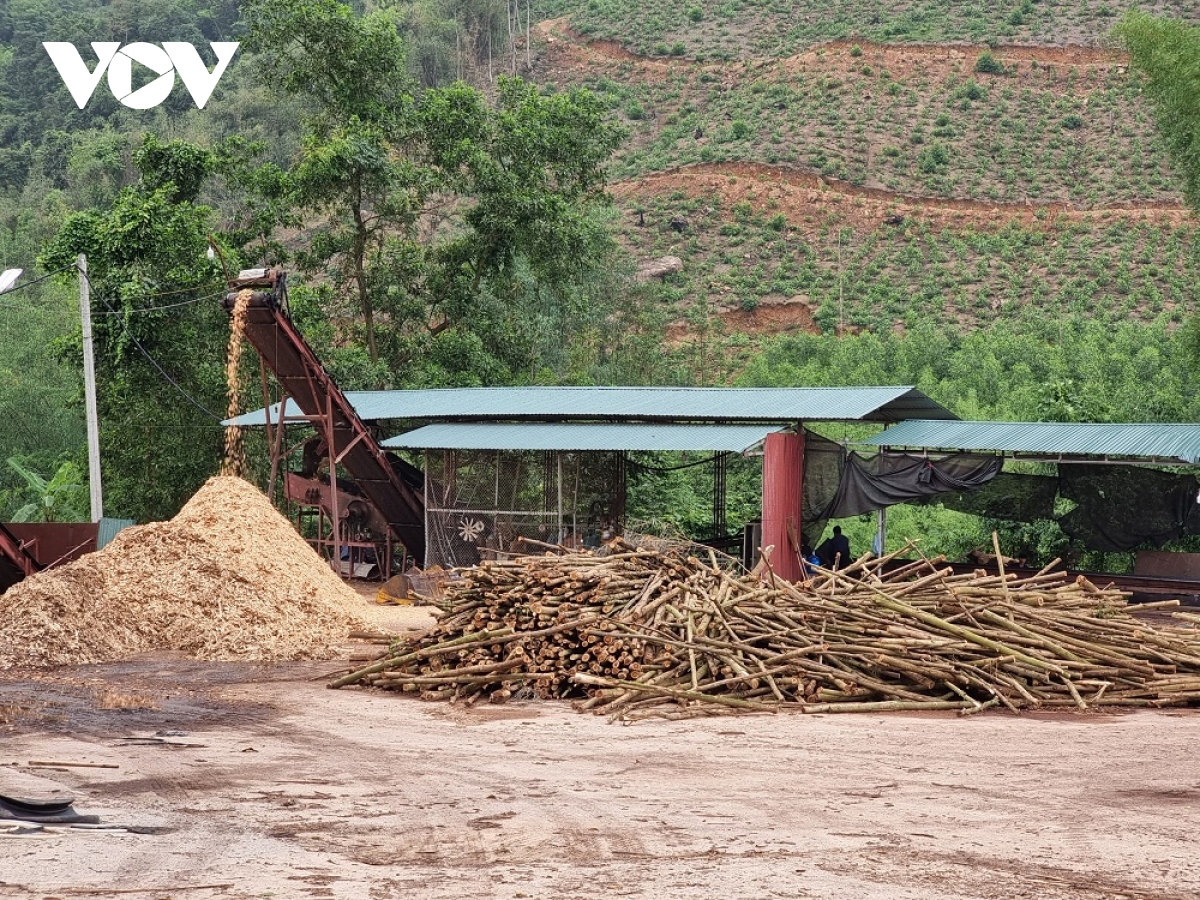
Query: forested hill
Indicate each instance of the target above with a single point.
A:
(971, 197)
(40, 126)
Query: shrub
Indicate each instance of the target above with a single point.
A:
(778, 222)
(988, 64)
(856, 51)
(695, 13)
(1072, 122)
(678, 48)
(933, 159)
(635, 110)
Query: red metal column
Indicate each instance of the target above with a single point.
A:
(783, 501)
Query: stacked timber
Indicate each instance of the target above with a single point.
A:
(639, 632)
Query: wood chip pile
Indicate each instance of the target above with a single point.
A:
(228, 578)
(641, 633)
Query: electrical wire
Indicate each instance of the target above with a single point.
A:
(29, 284)
(645, 468)
(149, 309)
(132, 311)
(161, 371)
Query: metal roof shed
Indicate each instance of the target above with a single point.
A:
(1158, 443)
(636, 404)
(581, 436)
(606, 420)
(1113, 474)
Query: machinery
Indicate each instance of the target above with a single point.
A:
(354, 520)
(27, 548)
(16, 559)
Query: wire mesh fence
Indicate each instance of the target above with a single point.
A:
(485, 503)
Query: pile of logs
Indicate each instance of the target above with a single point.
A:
(636, 632)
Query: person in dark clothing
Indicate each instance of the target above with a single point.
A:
(834, 551)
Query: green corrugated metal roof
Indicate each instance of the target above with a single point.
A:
(664, 404)
(576, 436)
(1161, 442)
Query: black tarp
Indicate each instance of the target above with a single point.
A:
(824, 461)
(875, 482)
(1119, 508)
(838, 484)
(1116, 507)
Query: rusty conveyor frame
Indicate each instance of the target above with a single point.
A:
(18, 553)
(305, 381)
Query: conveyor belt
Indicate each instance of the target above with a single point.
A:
(301, 375)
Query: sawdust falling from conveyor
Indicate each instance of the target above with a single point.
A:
(234, 462)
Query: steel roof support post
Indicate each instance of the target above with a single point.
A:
(617, 514)
(333, 488)
(558, 462)
(429, 498)
(783, 501)
(720, 470)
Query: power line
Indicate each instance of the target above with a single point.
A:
(149, 309)
(134, 310)
(29, 284)
(161, 371)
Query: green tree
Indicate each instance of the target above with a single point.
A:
(159, 331)
(1167, 55)
(351, 72)
(444, 216)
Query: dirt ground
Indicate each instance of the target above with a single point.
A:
(245, 780)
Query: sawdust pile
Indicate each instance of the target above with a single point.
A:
(228, 578)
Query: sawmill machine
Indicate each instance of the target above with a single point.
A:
(382, 499)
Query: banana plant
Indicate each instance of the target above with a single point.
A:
(57, 499)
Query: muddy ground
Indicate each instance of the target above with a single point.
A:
(257, 781)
